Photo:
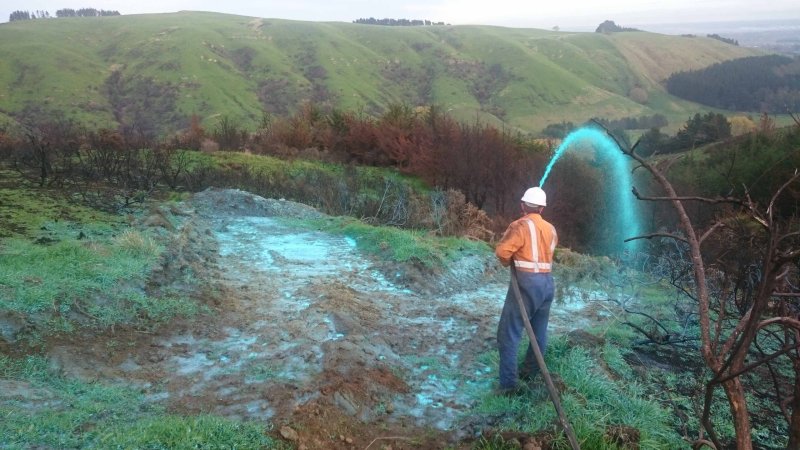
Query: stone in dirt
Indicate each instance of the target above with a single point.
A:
(288, 433)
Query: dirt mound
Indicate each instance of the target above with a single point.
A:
(233, 202)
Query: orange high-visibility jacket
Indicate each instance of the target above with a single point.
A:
(530, 242)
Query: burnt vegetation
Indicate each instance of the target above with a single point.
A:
(487, 165)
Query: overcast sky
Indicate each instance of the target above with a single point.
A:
(567, 14)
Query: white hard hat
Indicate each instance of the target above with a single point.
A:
(535, 196)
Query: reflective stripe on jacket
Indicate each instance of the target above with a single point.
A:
(530, 242)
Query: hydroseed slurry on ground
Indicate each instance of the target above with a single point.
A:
(309, 331)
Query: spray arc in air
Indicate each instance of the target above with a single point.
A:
(627, 217)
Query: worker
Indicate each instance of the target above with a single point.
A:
(528, 243)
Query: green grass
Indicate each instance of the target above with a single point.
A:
(38, 277)
(593, 401)
(98, 280)
(335, 188)
(272, 166)
(395, 244)
(64, 265)
(550, 76)
(67, 413)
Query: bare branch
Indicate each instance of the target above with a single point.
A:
(655, 321)
(710, 231)
(780, 190)
(775, 382)
(729, 343)
(700, 443)
(753, 365)
(789, 235)
(731, 200)
(795, 118)
(720, 319)
(785, 407)
(786, 321)
(788, 257)
(653, 235)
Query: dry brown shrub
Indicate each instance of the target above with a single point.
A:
(7, 145)
(281, 150)
(449, 213)
(209, 146)
(420, 212)
(476, 224)
(639, 95)
(158, 218)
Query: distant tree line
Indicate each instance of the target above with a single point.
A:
(768, 83)
(699, 130)
(635, 123)
(610, 27)
(723, 39)
(397, 22)
(27, 15)
(66, 12)
(562, 129)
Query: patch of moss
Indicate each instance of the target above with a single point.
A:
(26, 211)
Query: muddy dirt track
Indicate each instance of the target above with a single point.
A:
(313, 336)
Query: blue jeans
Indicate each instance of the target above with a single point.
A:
(537, 294)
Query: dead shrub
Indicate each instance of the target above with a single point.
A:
(209, 146)
(421, 212)
(448, 213)
(476, 224)
(295, 133)
(158, 218)
(7, 145)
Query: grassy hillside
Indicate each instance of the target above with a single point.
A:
(156, 70)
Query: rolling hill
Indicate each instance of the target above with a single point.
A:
(154, 71)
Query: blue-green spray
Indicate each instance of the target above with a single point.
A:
(628, 218)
